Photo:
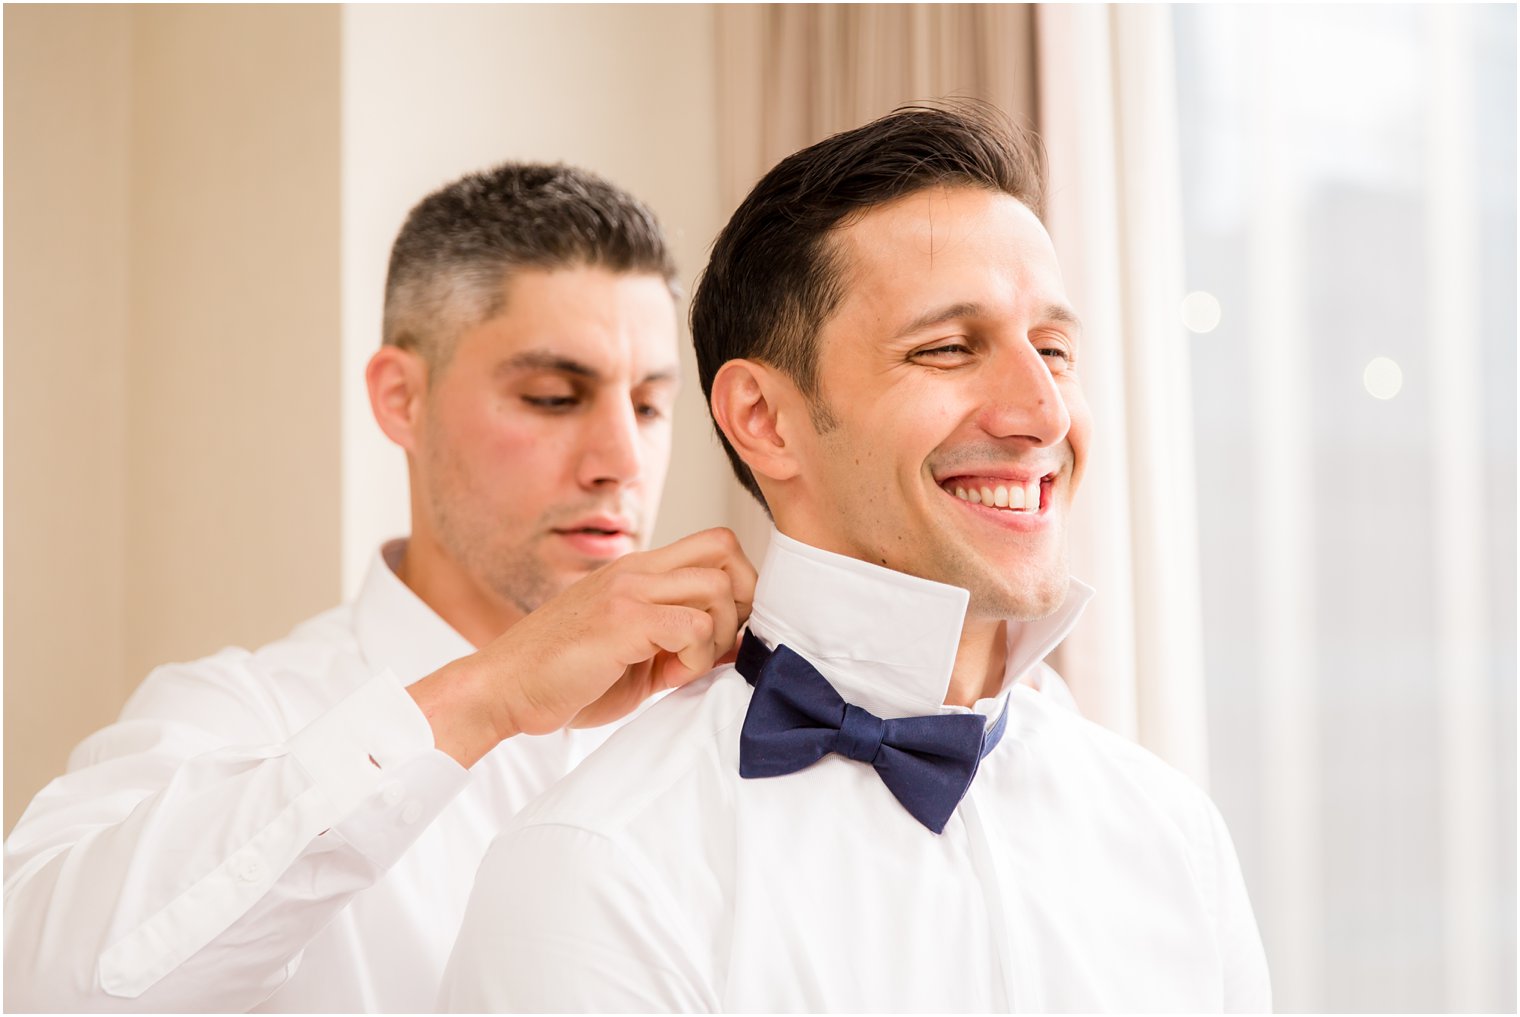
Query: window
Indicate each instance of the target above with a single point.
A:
(1349, 183)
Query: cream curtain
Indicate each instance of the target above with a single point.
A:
(793, 74)
(1115, 214)
(1102, 98)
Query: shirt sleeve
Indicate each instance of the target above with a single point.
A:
(184, 866)
(1246, 986)
(566, 920)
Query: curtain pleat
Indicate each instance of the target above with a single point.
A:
(1115, 215)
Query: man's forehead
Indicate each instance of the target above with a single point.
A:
(585, 321)
(941, 250)
(540, 285)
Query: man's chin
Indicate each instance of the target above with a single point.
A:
(1025, 601)
(529, 584)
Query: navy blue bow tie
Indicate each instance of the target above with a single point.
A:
(796, 718)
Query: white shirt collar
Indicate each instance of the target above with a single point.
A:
(885, 640)
(396, 629)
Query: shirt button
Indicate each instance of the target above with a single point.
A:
(249, 868)
(411, 813)
(392, 793)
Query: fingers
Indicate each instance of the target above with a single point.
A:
(689, 634)
(648, 621)
(707, 570)
(670, 673)
(706, 589)
(715, 548)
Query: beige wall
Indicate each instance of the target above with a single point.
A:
(199, 204)
(67, 127)
(171, 322)
(232, 416)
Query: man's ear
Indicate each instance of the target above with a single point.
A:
(754, 405)
(397, 381)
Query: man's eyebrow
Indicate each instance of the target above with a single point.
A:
(940, 315)
(664, 374)
(1065, 315)
(968, 309)
(548, 360)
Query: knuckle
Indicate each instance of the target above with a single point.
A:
(687, 623)
(717, 538)
(629, 564)
(619, 610)
(717, 583)
(621, 586)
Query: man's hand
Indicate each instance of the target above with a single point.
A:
(649, 621)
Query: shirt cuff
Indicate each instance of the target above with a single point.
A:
(406, 803)
(347, 750)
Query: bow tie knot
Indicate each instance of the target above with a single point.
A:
(860, 735)
(795, 718)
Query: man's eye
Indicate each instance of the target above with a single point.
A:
(948, 350)
(649, 411)
(551, 402)
(1058, 359)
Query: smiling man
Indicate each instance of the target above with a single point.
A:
(875, 809)
(295, 828)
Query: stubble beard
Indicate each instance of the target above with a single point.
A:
(1028, 591)
(943, 555)
(1034, 592)
(1033, 587)
(515, 573)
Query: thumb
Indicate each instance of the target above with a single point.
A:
(671, 673)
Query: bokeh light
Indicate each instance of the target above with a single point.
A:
(1383, 378)
(1200, 312)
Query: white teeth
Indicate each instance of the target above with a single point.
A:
(1013, 497)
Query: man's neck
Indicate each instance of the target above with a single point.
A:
(980, 662)
(475, 613)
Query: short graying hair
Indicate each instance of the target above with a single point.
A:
(451, 260)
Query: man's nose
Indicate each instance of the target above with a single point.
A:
(1024, 402)
(610, 451)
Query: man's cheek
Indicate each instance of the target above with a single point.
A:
(519, 441)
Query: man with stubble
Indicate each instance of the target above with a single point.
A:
(295, 828)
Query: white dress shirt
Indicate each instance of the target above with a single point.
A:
(270, 830)
(1078, 873)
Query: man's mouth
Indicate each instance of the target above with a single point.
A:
(1007, 494)
(599, 536)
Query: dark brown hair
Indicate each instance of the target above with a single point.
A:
(775, 275)
(450, 262)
